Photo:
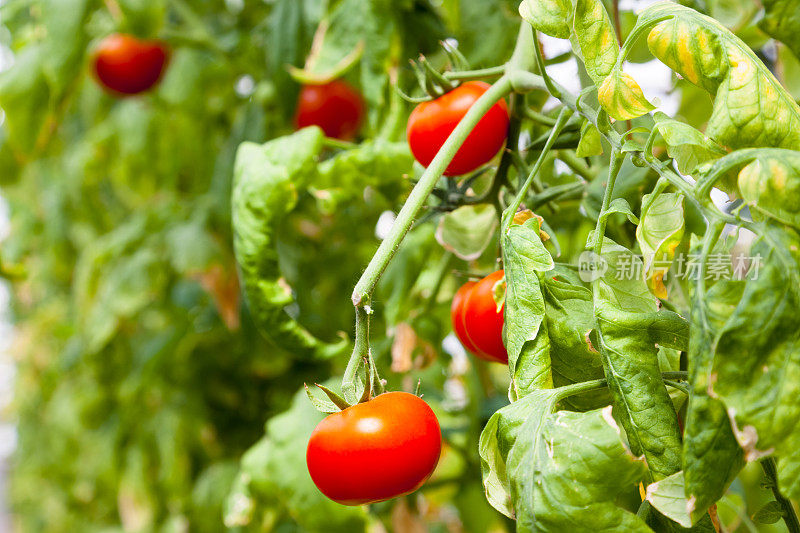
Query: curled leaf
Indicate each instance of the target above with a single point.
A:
(751, 108)
(622, 98)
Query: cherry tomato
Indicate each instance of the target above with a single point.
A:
(374, 451)
(483, 322)
(127, 65)
(457, 318)
(432, 122)
(335, 107)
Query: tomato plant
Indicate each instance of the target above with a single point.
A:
(182, 263)
(375, 451)
(432, 122)
(127, 65)
(335, 107)
(478, 320)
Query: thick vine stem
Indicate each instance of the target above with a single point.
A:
(405, 218)
(789, 515)
(361, 352)
(617, 157)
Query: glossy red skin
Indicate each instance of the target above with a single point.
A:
(483, 322)
(127, 65)
(335, 107)
(374, 451)
(457, 319)
(432, 122)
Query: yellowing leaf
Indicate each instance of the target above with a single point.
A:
(751, 109)
(597, 39)
(771, 185)
(659, 233)
(622, 97)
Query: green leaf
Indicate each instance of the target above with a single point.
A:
(659, 234)
(486, 31)
(554, 472)
(24, 98)
(468, 230)
(782, 21)
(620, 206)
(116, 278)
(771, 513)
(360, 24)
(551, 17)
(750, 106)
(499, 436)
(524, 260)
(291, 28)
(630, 359)
(567, 471)
(143, 17)
(756, 357)
(373, 165)
(590, 143)
(267, 181)
(66, 41)
(597, 39)
(733, 14)
(770, 184)
(689, 147)
(622, 98)
(668, 497)
(274, 470)
(711, 456)
(570, 320)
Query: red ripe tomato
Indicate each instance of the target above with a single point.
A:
(127, 65)
(335, 107)
(457, 317)
(374, 451)
(432, 122)
(476, 320)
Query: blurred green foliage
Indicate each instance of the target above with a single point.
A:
(142, 378)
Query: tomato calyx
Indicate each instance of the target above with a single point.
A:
(336, 402)
(432, 82)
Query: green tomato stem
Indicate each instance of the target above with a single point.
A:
(508, 214)
(677, 385)
(537, 117)
(360, 352)
(617, 159)
(579, 388)
(490, 72)
(405, 218)
(789, 516)
(576, 164)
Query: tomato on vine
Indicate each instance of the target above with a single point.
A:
(336, 107)
(127, 65)
(376, 450)
(457, 316)
(432, 122)
(477, 321)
